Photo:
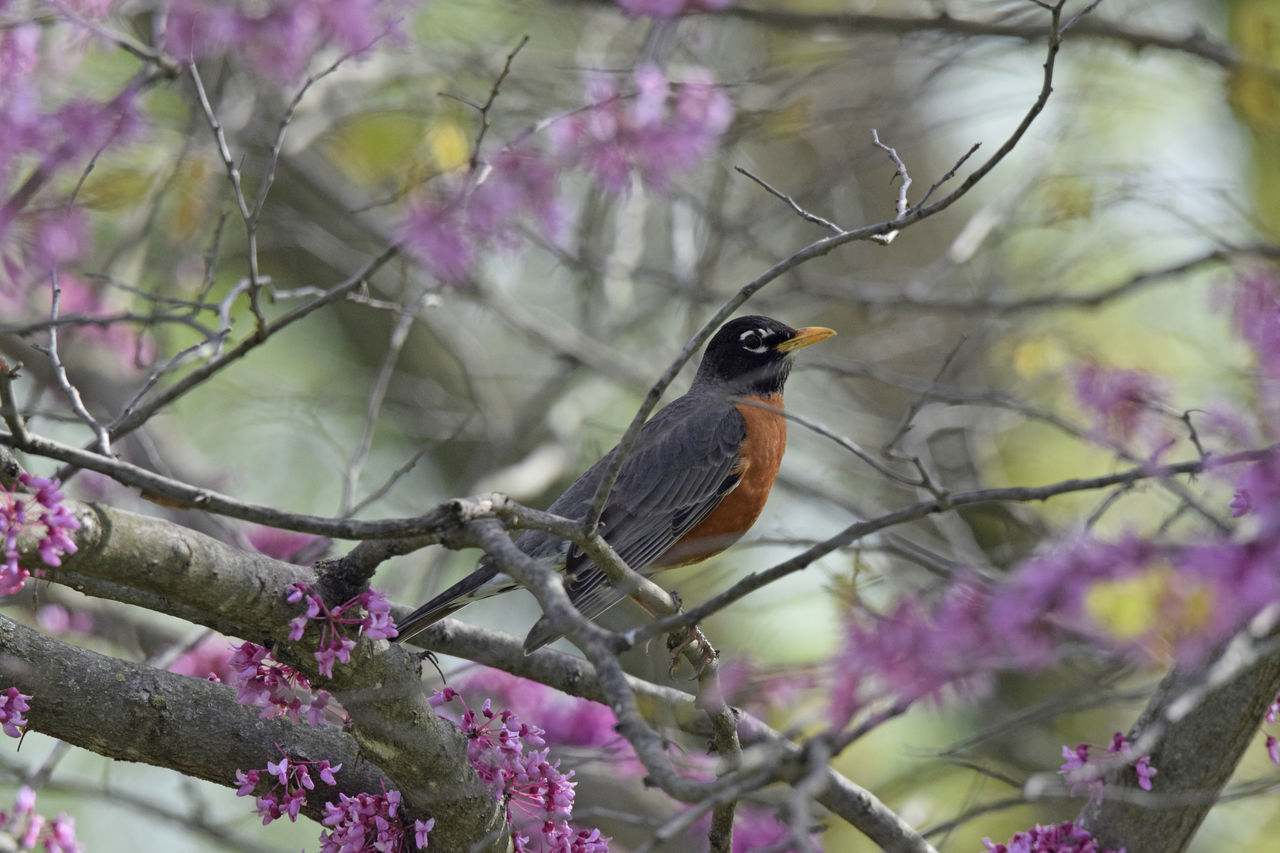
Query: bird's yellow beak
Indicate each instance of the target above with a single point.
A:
(804, 337)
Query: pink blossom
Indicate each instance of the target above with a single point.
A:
(13, 704)
(283, 545)
(446, 232)
(1124, 404)
(286, 795)
(538, 797)
(564, 720)
(31, 830)
(434, 234)
(369, 822)
(1085, 774)
(278, 689)
(19, 53)
(43, 513)
(1061, 838)
(335, 646)
(209, 659)
(278, 38)
(662, 130)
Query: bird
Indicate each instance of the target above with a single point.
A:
(695, 481)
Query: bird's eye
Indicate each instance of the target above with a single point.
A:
(752, 341)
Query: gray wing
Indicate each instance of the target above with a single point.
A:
(684, 462)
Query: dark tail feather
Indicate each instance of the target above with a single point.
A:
(454, 598)
(539, 635)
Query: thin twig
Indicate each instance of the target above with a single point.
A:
(233, 174)
(900, 172)
(488, 104)
(800, 211)
(101, 436)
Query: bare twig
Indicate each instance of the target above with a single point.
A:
(1195, 43)
(101, 436)
(247, 215)
(791, 202)
(900, 171)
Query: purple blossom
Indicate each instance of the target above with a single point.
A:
(43, 513)
(537, 796)
(280, 690)
(209, 659)
(1060, 838)
(280, 544)
(662, 130)
(446, 232)
(32, 830)
(286, 795)
(1124, 404)
(55, 619)
(1130, 597)
(13, 705)
(1084, 773)
(335, 646)
(1256, 316)
(278, 38)
(565, 720)
(755, 828)
(369, 822)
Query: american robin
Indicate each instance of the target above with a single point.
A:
(694, 483)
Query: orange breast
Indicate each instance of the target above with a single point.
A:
(761, 456)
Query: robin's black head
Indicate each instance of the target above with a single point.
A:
(752, 355)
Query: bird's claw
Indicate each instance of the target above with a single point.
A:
(677, 646)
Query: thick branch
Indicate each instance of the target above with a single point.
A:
(188, 574)
(132, 712)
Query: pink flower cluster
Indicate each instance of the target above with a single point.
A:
(41, 133)
(365, 822)
(279, 689)
(375, 623)
(446, 232)
(277, 38)
(369, 822)
(13, 705)
(1256, 316)
(1125, 405)
(1060, 838)
(1083, 773)
(29, 830)
(565, 720)
(526, 781)
(292, 779)
(1198, 594)
(664, 128)
(25, 514)
(657, 132)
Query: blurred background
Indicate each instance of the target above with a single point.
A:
(957, 341)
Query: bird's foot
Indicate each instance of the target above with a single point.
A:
(701, 657)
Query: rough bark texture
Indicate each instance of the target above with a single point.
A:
(132, 712)
(1196, 753)
(170, 569)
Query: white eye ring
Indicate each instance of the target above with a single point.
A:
(752, 340)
